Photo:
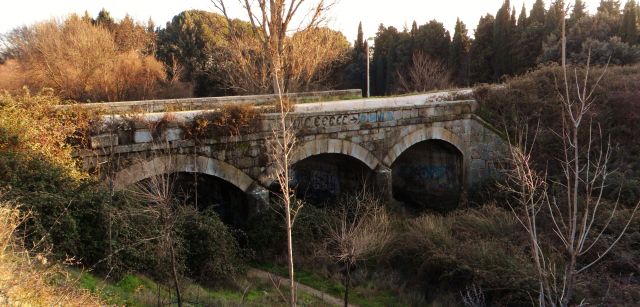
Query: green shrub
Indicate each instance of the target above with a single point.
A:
(437, 255)
(212, 254)
(266, 234)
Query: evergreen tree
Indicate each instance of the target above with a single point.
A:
(359, 43)
(503, 35)
(553, 19)
(459, 54)
(379, 73)
(579, 11)
(355, 74)
(609, 7)
(434, 40)
(482, 53)
(537, 13)
(609, 14)
(522, 19)
(629, 28)
(414, 28)
(87, 18)
(105, 20)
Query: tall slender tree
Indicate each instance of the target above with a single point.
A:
(538, 12)
(553, 19)
(522, 19)
(359, 44)
(503, 31)
(629, 28)
(482, 52)
(578, 12)
(459, 54)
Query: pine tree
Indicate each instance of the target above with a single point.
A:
(522, 19)
(579, 11)
(521, 29)
(105, 20)
(459, 54)
(482, 53)
(537, 13)
(629, 29)
(553, 19)
(434, 40)
(414, 28)
(87, 18)
(609, 7)
(503, 42)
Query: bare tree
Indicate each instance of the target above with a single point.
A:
(270, 23)
(424, 74)
(157, 193)
(572, 204)
(360, 231)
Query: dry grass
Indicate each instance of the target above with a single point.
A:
(30, 280)
(229, 120)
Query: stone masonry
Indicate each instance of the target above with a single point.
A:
(374, 131)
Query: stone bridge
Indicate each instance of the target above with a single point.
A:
(423, 150)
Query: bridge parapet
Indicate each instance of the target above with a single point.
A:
(212, 103)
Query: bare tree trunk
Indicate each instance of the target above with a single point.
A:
(292, 283)
(175, 274)
(347, 283)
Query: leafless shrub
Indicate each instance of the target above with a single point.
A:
(159, 205)
(473, 297)
(572, 204)
(424, 74)
(361, 230)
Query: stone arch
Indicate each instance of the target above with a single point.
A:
(182, 163)
(424, 134)
(328, 146)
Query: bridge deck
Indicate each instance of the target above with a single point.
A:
(383, 102)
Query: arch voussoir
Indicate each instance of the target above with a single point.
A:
(420, 135)
(168, 164)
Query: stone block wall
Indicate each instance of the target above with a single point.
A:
(376, 137)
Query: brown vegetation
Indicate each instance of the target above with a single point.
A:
(28, 279)
(424, 74)
(82, 61)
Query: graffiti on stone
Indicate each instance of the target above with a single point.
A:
(431, 175)
(323, 121)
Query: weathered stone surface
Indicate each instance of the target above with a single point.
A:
(104, 140)
(375, 132)
(142, 136)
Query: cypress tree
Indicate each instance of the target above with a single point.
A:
(359, 43)
(609, 7)
(503, 30)
(414, 28)
(553, 19)
(629, 29)
(522, 19)
(459, 54)
(482, 53)
(105, 20)
(537, 13)
(579, 11)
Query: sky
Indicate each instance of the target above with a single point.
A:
(345, 16)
